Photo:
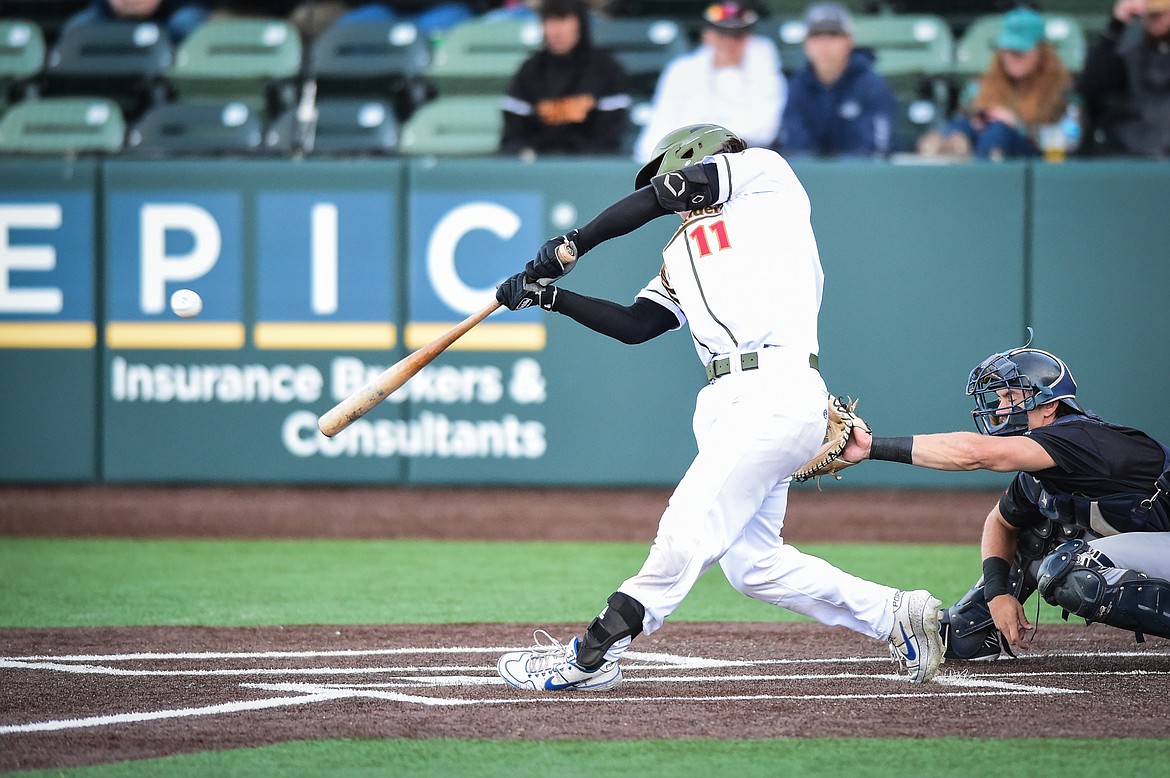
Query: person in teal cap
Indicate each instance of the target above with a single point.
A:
(1025, 87)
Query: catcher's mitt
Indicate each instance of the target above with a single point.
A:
(827, 461)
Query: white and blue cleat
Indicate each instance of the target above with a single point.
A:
(551, 666)
(915, 641)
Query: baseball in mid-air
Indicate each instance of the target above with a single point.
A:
(186, 303)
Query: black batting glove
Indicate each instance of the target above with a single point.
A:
(547, 266)
(518, 292)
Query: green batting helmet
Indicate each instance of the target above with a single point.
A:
(685, 146)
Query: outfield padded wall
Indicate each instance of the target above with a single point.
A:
(49, 365)
(318, 274)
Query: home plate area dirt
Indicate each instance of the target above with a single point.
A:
(84, 696)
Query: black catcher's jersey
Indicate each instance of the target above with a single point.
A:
(1094, 460)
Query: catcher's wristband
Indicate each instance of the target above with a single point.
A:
(893, 450)
(995, 577)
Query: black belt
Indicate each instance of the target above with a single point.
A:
(749, 360)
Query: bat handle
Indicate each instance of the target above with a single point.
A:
(567, 254)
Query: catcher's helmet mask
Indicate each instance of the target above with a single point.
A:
(686, 146)
(1037, 376)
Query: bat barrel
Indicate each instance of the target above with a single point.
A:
(335, 420)
(357, 404)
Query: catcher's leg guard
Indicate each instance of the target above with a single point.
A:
(621, 618)
(1074, 578)
(968, 629)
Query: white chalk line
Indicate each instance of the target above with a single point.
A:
(208, 710)
(973, 687)
(639, 656)
(982, 685)
(265, 654)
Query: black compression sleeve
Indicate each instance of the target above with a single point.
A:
(621, 218)
(893, 449)
(995, 577)
(630, 324)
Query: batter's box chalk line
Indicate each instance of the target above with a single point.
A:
(644, 668)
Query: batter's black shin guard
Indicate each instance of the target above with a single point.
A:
(621, 618)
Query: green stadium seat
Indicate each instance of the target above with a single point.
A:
(789, 36)
(344, 126)
(121, 60)
(372, 60)
(642, 46)
(907, 46)
(977, 45)
(62, 126)
(197, 128)
(22, 56)
(479, 57)
(915, 53)
(455, 125)
(256, 61)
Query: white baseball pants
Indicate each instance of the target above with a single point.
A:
(753, 429)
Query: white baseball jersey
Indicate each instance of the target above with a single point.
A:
(745, 273)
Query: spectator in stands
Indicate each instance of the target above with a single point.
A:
(732, 79)
(568, 97)
(1025, 87)
(177, 17)
(837, 105)
(1126, 82)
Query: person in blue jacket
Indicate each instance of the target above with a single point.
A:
(837, 105)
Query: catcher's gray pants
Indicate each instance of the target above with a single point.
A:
(1142, 552)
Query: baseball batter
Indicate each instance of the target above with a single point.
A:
(1086, 520)
(743, 272)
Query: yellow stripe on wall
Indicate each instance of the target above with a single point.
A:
(324, 335)
(482, 337)
(48, 334)
(177, 334)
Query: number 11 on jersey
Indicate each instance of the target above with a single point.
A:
(703, 244)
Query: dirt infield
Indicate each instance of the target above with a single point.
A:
(85, 696)
(853, 515)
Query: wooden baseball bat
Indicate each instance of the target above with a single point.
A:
(392, 378)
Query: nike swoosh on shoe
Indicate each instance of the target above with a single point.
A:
(911, 654)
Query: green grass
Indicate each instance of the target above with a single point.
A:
(89, 582)
(957, 757)
(96, 582)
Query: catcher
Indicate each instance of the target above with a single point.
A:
(1086, 520)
